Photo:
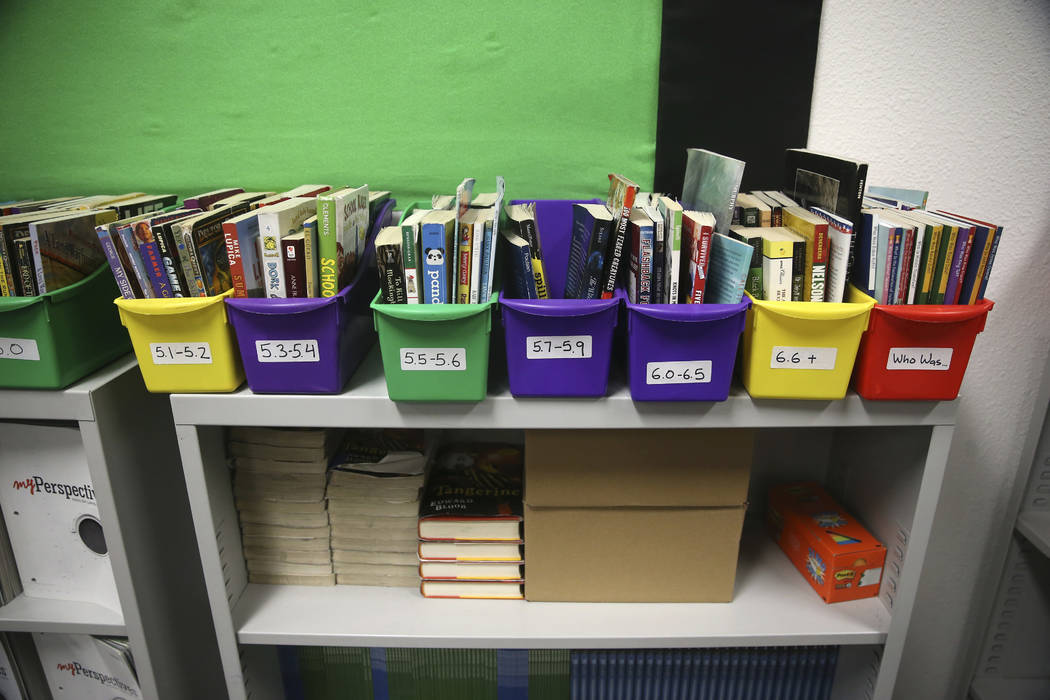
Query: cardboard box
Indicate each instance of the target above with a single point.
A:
(834, 552)
(634, 515)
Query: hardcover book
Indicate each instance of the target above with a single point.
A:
(473, 492)
(66, 249)
(712, 182)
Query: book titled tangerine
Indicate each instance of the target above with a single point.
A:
(834, 552)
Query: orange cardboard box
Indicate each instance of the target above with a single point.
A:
(836, 554)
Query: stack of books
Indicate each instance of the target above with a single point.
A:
(279, 486)
(373, 502)
(470, 516)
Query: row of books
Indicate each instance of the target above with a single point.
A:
(445, 254)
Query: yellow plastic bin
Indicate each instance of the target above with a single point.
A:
(801, 349)
(183, 345)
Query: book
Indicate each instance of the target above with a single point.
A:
(473, 492)
(470, 551)
(205, 200)
(833, 184)
(776, 209)
(410, 252)
(728, 270)
(752, 211)
(376, 200)
(483, 200)
(342, 232)
(671, 211)
(753, 237)
(960, 239)
(465, 262)
(780, 198)
(984, 242)
(143, 204)
(711, 183)
(151, 250)
(798, 265)
(241, 234)
(659, 254)
(519, 278)
(437, 244)
(123, 236)
(442, 201)
(620, 201)
(310, 256)
(275, 222)
(126, 282)
(840, 237)
(293, 257)
(478, 266)
(470, 571)
(865, 261)
(491, 241)
(66, 249)
(916, 198)
(640, 230)
(911, 243)
(204, 244)
(464, 193)
(697, 228)
(24, 265)
(390, 261)
(814, 230)
(248, 198)
(777, 261)
(888, 237)
(521, 220)
(471, 589)
(591, 228)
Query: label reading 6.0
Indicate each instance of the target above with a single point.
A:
(695, 372)
(784, 357)
(18, 349)
(442, 359)
(287, 351)
(180, 353)
(557, 347)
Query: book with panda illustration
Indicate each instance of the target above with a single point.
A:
(437, 243)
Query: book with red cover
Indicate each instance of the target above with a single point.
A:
(621, 199)
(697, 228)
(473, 493)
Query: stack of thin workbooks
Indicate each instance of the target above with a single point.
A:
(373, 504)
(279, 486)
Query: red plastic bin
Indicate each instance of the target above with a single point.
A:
(916, 351)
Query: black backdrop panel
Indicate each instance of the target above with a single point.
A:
(735, 78)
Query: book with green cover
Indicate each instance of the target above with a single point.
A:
(671, 211)
(342, 232)
(753, 237)
(410, 252)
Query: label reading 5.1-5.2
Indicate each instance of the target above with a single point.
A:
(696, 372)
(557, 347)
(180, 353)
(18, 349)
(287, 351)
(784, 357)
(428, 359)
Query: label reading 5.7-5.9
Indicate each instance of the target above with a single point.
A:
(180, 353)
(428, 359)
(557, 347)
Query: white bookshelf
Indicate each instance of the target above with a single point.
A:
(128, 441)
(886, 459)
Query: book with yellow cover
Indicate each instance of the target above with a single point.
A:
(777, 252)
(815, 230)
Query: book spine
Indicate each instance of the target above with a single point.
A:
(949, 242)
(5, 291)
(634, 268)
(391, 274)
(904, 267)
(659, 260)
(951, 289)
(981, 247)
(749, 216)
(185, 265)
(892, 248)
(26, 274)
(293, 258)
(477, 243)
(776, 273)
(930, 245)
(967, 243)
(532, 236)
(841, 244)
(854, 215)
(169, 259)
(486, 264)
(410, 262)
(996, 235)
(778, 215)
(138, 268)
(582, 224)
(674, 257)
(310, 258)
(798, 270)
(270, 255)
(918, 235)
(521, 261)
(196, 277)
(645, 264)
(464, 252)
(38, 263)
(233, 254)
(595, 261)
(702, 263)
(114, 262)
(328, 254)
(150, 254)
(433, 243)
(7, 255)
(619, 236)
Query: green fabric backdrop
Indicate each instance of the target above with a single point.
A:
(189, 96)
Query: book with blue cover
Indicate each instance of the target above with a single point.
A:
(591, 224)
(437, 244)
(727, 272)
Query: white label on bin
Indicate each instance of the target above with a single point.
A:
(557, 347)
(919, 358)
(429, 359)
(695, 372)
(18, 349)
(785, 357)
(287, 351)
(191, 353)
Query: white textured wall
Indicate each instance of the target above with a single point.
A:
(954, 97)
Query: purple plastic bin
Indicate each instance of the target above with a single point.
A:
(311, 345)
(683, 352)
(569, 340)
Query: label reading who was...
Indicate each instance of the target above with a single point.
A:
(919, 358)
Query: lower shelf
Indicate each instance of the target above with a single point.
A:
(1035, 525)
(1010, 689)
(773, 605)
(25, 614)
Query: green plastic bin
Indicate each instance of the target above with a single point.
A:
(435, 352)
(52, 340)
